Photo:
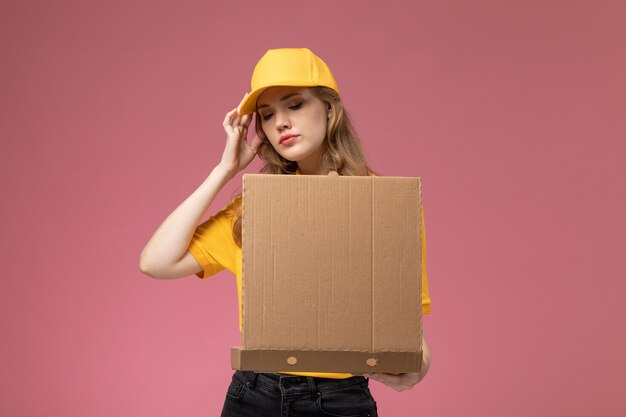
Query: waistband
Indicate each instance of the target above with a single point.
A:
(295, 383)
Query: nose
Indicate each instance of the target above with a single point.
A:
(282, 120)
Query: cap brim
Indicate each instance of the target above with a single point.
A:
(248, 103)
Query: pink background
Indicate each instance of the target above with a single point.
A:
(512, 112)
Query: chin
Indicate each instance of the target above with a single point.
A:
(294, 157)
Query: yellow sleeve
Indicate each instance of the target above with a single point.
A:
(213, 244)
(425, 293)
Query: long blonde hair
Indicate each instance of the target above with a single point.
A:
(343, 150)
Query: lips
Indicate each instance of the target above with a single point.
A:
(286, 139)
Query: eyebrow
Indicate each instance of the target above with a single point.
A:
(287, 97)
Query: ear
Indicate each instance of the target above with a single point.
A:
(328, 110)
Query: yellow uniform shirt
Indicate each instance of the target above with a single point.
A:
(215, 249)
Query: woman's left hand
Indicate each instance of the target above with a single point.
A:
(399, 382)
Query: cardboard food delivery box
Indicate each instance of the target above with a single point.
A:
(331, 274)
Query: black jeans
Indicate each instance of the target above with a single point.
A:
(253, 394)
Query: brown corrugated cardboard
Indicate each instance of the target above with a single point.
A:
(331, 274)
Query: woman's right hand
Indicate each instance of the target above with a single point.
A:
(238, 153)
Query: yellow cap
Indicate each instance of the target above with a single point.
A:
(294, 67)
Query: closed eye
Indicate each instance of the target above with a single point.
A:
(269, 115)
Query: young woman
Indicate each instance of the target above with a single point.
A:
(301, 129)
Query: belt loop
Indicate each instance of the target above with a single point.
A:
(253, 382)
(312, 386)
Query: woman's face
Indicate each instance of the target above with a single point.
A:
(295, 123)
